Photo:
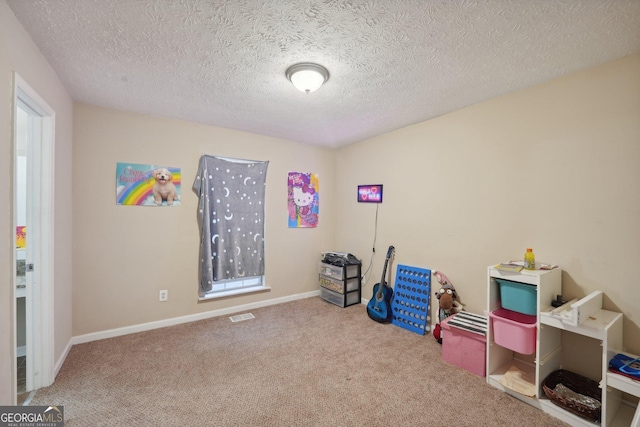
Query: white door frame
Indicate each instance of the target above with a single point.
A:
(40, 283)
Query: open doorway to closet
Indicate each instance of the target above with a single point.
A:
(33, 255)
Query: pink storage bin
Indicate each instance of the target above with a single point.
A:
(464, 349)
(515, 331)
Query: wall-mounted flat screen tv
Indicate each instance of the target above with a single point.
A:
(370, 193)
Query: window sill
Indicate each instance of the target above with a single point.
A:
(234, 292)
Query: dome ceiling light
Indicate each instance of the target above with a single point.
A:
(307, 77)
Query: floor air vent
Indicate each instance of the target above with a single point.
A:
(241, 317)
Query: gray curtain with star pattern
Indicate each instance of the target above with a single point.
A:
(231, 218)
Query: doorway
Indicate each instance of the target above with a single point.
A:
(33, 255)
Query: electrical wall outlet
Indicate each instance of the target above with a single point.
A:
(164, 295)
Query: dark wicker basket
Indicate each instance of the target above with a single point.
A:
(578, 384)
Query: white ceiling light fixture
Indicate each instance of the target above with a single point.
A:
(307, 77)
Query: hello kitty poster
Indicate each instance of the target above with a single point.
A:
(303, 197)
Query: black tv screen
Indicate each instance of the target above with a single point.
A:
(370, 193)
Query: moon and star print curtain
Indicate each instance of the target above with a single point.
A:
(231, 218)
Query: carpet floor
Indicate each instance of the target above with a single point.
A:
(301, 363)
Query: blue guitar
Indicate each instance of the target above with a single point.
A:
(379, 306)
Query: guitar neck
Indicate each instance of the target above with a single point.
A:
(384, 271)
(382, 283)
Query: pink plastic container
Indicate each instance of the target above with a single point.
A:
(515, 331)
(464, 349)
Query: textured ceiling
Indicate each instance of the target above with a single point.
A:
(392, 62)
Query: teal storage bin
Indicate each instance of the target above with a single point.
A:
(518, 297)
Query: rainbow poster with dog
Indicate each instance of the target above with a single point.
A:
(147, 185)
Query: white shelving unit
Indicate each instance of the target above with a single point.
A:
(623, 415)
(605, 327)
(581, 337)
(548, 284)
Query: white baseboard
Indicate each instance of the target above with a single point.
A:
(94, 336)
(60, 361)
(21, 351)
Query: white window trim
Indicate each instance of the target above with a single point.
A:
(261, 287)
(235, 292)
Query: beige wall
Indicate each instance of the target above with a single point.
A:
(19, 54)
(123, 255)
(555, 167)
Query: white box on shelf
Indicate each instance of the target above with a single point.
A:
(576, 311)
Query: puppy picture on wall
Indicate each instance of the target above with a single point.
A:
(163, 188)
(147, 185)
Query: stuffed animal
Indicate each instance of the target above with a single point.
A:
(447, 302)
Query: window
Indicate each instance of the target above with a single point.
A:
(233, 287)
(231, 219)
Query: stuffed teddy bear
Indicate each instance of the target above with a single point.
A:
(447, 303)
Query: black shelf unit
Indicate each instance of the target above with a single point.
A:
(340, 285)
